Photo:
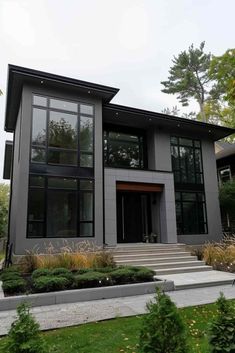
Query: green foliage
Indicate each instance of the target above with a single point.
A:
(4, 203)
(163, 329)
(50, 283)
(122, 275)
(144, 275)
(24, 335)
(227, 196)
(41, 272)
(222, 330)
(90, 279)
(189, 76)
(14, 286)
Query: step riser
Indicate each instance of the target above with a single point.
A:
(156, 261)
(172, 265)
(203, 284)
(182, 270)
(150, 251)
(161, 258)
(166, 264)
(146, 247)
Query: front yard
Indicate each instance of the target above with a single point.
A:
(122, 334)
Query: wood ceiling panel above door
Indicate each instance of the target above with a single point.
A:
(139, 187)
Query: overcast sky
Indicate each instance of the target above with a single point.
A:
(128, 44)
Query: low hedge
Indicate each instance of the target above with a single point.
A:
(90, 279)
(41, 272)
(50, 283)
(14, 286)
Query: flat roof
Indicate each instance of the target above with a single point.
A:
(226, 152)
(145, 119)
(17, 76)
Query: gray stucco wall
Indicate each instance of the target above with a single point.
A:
(167, 201)
(21, 174)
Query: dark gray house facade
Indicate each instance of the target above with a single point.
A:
(85, 169)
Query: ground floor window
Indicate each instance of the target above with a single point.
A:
(60, 207)
(191, 212)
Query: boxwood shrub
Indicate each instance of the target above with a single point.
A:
(144, 275)
(90, 279)
(41, 272)
(50, 283)
(14, 286)
(122, 276)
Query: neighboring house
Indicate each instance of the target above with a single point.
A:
(225, 160)
(86, 169)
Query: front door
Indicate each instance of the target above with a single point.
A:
(133, 217)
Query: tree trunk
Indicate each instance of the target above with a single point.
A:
(202, 112)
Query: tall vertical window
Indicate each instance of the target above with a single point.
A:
(190, 202)
(60, 207)
(62, 132)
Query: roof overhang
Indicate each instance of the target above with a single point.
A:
(226, 152)
(143, 119)
(18, 76)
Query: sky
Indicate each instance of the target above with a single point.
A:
(128, 44)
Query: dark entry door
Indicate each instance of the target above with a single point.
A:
(132, 217)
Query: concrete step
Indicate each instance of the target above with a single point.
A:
(172, 265)
(148, 251)
(203, 284)
(126, 257)
(155, 260)
(167, 271)
(147, 246)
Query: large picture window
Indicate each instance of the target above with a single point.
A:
(62, 132)
(123, 149)
(191, 212)
(60, 207)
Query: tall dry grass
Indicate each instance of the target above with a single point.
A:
(73, 257)
(221, 255)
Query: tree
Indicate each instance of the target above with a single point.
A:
(24, 335)
(175, 111)
(227, 196)
(163, 329)
(189, 77)
(222, 330)
(4, 202)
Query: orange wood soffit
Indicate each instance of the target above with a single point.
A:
(141, 187)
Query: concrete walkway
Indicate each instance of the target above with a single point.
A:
(62, 315)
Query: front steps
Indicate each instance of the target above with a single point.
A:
(164, 259)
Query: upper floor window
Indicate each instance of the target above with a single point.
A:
(123, 149)
(62, 132)
(224, 174)
(186, 159)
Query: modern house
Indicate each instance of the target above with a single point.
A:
(86, 169)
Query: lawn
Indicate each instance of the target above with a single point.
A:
(121, 334)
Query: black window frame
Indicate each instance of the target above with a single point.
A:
(47, 148)
(109, 128)
(46, 189)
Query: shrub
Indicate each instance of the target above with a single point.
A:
(90, 279)
(144, 274)
(162, 328)
(222, 330)
(104, 259)
(41, 272)
(50, 283)
(122, 275)
(63, 272)
(8, 276)
(24, 335)
(14, 286)
(220, 255)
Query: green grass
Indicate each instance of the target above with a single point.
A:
(121, 334)
(2, 255)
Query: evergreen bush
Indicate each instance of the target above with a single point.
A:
(163, 330)
(222, 330)
(50, 283)
(41, 272)
(14, 286)
(24, 335)
(90, 279)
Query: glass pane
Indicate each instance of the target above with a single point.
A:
(177, 177)
(198, 160)
(225, 174)
(124, 154)
(36, 205)
(174, 140)
(39, 127)
(86, 160)
(63, 130)
(38, 155)
(123, 137)
(62, 183)
(86, 134)
(35, 230)
(86, 229)
(199, 178)
(201, 196)
(86, 109)
(61, 214)
(177, 196)
(190, 218)
(86, 206)
(189, 196)
(36, 181)
(39, 100)
(63, 105)
(197, 143)
(175, 158)
(62, 157)
(86, 184)
(187, 164)
(185, 142)
(179, 218)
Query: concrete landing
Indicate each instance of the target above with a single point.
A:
(199, 279)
